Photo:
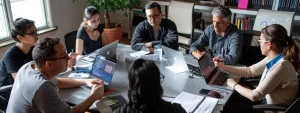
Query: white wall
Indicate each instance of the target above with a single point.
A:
(62, 13)
(66, 15)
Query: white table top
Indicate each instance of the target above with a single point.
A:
(173, 83)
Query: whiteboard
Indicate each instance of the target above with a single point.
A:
(268, 17)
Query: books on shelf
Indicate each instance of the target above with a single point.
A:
(246, 23)
(289, 5)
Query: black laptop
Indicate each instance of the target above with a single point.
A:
(213, 75)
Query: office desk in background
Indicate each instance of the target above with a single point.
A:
(173, 84)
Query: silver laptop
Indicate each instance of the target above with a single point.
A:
(108, 51)
(175, 59)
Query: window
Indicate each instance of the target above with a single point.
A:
(4, 32)
(29, 9)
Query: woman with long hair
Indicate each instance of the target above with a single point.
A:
(279, 82)
(90, 36)
(145, 90)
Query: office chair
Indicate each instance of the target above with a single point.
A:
(70, 41)
(4, 96)
(294, 108)
(250, 58)
(181, 13)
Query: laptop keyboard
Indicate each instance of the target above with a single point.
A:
(194, 70)
(220, 79)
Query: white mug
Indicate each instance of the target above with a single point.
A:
(121, 55)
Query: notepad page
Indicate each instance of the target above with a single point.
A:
(188, 101)
(207, 106)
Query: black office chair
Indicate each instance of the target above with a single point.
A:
(70, 41)
(4, 96)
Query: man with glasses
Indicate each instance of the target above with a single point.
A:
(35, 87)
(155, 30)
(223, 39)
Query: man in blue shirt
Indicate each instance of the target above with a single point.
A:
(223, 39)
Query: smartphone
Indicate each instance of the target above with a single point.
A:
(204, 91)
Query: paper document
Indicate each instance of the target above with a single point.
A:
(139, 53)
(79, 75)
(207, 106)
(188, 101)
(152, 57)
(176, 69)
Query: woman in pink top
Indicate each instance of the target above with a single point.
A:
(279, 83)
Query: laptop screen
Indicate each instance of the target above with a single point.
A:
(206, 65)
(103, 69)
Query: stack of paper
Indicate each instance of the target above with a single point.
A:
(188, 101)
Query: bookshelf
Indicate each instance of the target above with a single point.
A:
(236, 12)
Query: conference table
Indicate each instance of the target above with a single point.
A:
(173, 83)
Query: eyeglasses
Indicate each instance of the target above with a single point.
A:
(162, 78)
(154, 16)
(261, 41)
(63, 57)
(33, 33)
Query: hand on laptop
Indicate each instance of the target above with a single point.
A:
(97, 91)
(198, 54)
(92, 82)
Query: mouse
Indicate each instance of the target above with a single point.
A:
(214, 94)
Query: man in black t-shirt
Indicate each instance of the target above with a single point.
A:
(11, 62)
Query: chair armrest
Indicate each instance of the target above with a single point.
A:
(5, 88)
(270, 107)
(252, 80)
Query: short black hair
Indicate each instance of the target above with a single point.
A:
(20, 27)
(151, 5)
(43, 50)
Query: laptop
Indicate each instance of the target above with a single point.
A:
(212, 75)
(175, 60)
(108, 51)
(103, 68)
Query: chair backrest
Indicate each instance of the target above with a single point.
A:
(70, 41)
(181, 13)
(4, 96)
(294, 108)
(249, 58)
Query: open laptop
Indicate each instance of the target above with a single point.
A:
(108, 51)
(175, 59)
(212, 75)
(103, 68)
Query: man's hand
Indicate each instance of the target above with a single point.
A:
(97, 91)
(198, 54)
(230, 82)
(92, 82)
(72, 61)
(149, 44)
